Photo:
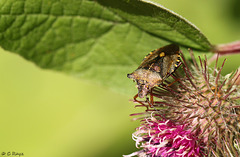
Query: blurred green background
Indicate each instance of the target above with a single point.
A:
(48, 114)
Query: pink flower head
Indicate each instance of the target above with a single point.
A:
(164, 138)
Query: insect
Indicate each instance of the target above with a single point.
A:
(154, 69)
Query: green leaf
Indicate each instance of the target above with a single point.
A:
(159, 21)
(99, 41)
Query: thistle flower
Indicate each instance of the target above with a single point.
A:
(164, 138)
(195, 115)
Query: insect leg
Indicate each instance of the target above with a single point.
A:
(151, 99)
(142, 104)
(175, 80)
(151, 102)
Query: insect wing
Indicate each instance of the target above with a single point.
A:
(170, 63)
(163, 60)
(151, 58)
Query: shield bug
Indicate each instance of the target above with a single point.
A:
(155, 68)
